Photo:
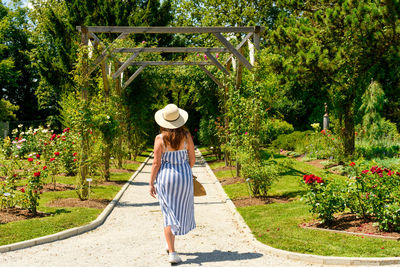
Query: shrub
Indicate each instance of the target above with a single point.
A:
(290, 141)
(260, 176)
(272, 128)
(323, 197)
(208, 135)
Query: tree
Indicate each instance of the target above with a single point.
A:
(17, 74)
(335, 46)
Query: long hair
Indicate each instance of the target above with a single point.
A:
(174, 137)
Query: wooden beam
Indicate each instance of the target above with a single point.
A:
(257, 37)
(172, 50)
(233, 50)
(103, 55)
(176, 63)
(216, 62)
(212, 76)
(125, 65)
(137, 72)
(128, 30)
(240, 45)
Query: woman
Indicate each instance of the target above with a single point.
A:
(172, 170)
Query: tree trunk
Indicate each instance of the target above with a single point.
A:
(348, 132)
(82, 188)
(119, 93)
(107, 163)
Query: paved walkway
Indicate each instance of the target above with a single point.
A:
(132, 235)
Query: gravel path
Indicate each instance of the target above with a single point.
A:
(132, 235)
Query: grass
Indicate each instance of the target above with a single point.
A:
(63, 218)
(277, 224)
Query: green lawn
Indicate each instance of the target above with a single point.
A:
(277, 224)
(63, 218)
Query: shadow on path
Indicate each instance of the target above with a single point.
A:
(219, 256)
(129, 204)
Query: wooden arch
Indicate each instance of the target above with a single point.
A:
(89, 33)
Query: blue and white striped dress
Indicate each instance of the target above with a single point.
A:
(174, 185)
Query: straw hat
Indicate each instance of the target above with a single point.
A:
(171, 117)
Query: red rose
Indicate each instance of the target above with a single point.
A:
(75, 160)
(53, 136)
(30, 159)
(14, 175)
(37, 156)
(16, 138)
(52, 159)
(365, 171)
(34, 191)
(45, 144)
(57, 153)
(36, 174)
(75, 153)
(22, 190)
(65, 130)
(323, 132)
(352, 164)
(44, 167)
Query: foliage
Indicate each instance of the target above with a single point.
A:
(18, 77)
(323, 197)
(290, 141)
(335, 49)
(272, 128)
(369, 193)
(7, 110)
(208, 135)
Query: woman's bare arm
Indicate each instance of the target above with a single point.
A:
(192, 156)
(156, 164)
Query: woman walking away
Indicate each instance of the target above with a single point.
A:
(172, 172)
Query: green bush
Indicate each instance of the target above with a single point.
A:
(208, 135)
(272, 128)
(324, 197)
(290, 141)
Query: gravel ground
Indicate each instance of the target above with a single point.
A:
(132, 235)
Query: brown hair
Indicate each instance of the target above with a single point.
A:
(174, 137)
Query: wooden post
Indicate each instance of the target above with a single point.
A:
(118, 82)
(83, 168)
(107, 149)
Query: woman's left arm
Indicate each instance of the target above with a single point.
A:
(192, 156)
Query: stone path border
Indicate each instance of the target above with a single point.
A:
(307, 258)
(80, 229)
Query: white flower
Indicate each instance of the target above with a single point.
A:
(14, 142)
(108, 117)
(19, 147)
(20, 125)
(16, 156)
(45, 131)
(7, 194)
(30, 155)
(22, 133)
(14, 131)
(112, 158)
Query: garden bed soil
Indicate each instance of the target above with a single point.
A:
(59, 187)
(127, 161)
(50, 187)
(118, 183)
(122, 170)
(255, 201)
(18, 214)
(224, 168)
(233, 180)
(76, 202)
(349, 223)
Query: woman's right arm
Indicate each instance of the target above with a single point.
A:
(156, 164)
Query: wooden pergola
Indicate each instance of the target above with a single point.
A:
(253, 34)
(89, 38)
